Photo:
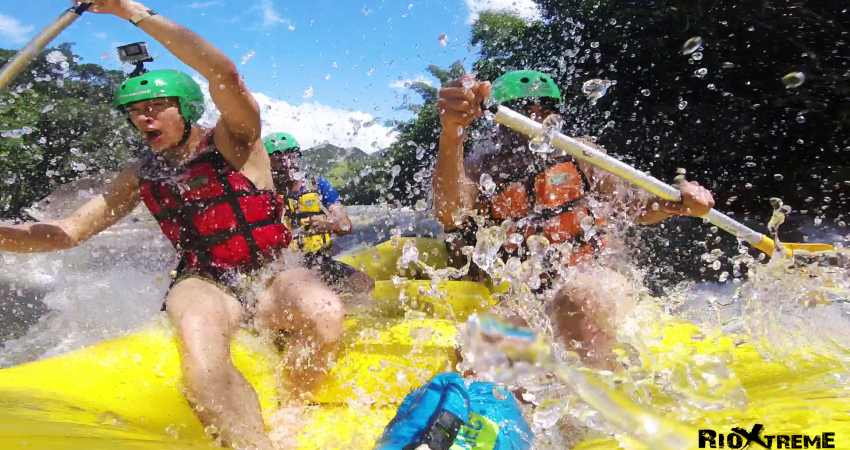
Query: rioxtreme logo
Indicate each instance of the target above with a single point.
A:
(743, 439)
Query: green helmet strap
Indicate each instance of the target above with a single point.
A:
(524, 84)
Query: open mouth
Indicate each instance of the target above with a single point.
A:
(153, 135)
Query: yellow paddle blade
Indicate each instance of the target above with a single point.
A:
(767, 245)
(814, 247)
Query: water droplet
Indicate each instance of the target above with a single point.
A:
(713, 229)
(596, 88)
(371, 71)
(443, 39)
(516, 238)
(693, 44)
(468, 83)
(211, 431)
(395, 170)
(778, 177)
(56, 57)
(697, 56)
(801, 119)
(553, 122)
(794, 80)
(487, 184)
(723, 277)
(172, 430)
(309, 92)
(247, 56)
(366, 10)
(716, 265)
(587, 223)
(728, 65)
(13, 134)
(818, 221)
(612, 21)
(328, 76)
(683, 104)
(421, 205)
(700, 72)
(47, 108)
(594, 44)
(459, 130)
(409, 255)
(645, 92)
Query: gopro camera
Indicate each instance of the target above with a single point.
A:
(134, 53)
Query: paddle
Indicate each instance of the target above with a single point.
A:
(579, 150)
(22, 59)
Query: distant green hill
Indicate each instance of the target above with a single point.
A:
(338, 165)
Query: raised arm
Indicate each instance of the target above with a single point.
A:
(240, 113)
(90, 219)
(453, 190)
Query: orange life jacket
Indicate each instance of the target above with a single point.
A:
(214, 215)
(550, 201)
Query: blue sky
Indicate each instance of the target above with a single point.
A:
(295, 44)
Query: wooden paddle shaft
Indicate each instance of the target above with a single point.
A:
(22, 59)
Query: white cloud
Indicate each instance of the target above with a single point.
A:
(313, 124)
(100, 35)
(13, 30)
(270, 15)
(405, 83)
(526, 9)
(203, 4)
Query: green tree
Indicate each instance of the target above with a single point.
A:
(722, 112)
(57, 124)
(402, 174)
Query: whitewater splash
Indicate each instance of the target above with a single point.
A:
(763, 348)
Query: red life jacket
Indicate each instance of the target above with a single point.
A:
(215, 216)
(550, 200)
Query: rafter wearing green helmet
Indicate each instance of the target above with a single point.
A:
(524, 85)
(160, 84)
(164, 84)
(281, 142)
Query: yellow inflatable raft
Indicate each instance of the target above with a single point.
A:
(126, 393)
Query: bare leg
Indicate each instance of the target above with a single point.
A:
(299, 302)
(586, 312)
(206, 318)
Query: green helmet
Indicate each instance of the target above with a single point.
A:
(524, 84)
(281, 142)
(159, 84)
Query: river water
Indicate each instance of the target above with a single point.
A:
(770, 348)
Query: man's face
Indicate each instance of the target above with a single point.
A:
(512, 141)
(159, 120)
(283, 164)
(538, 113)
